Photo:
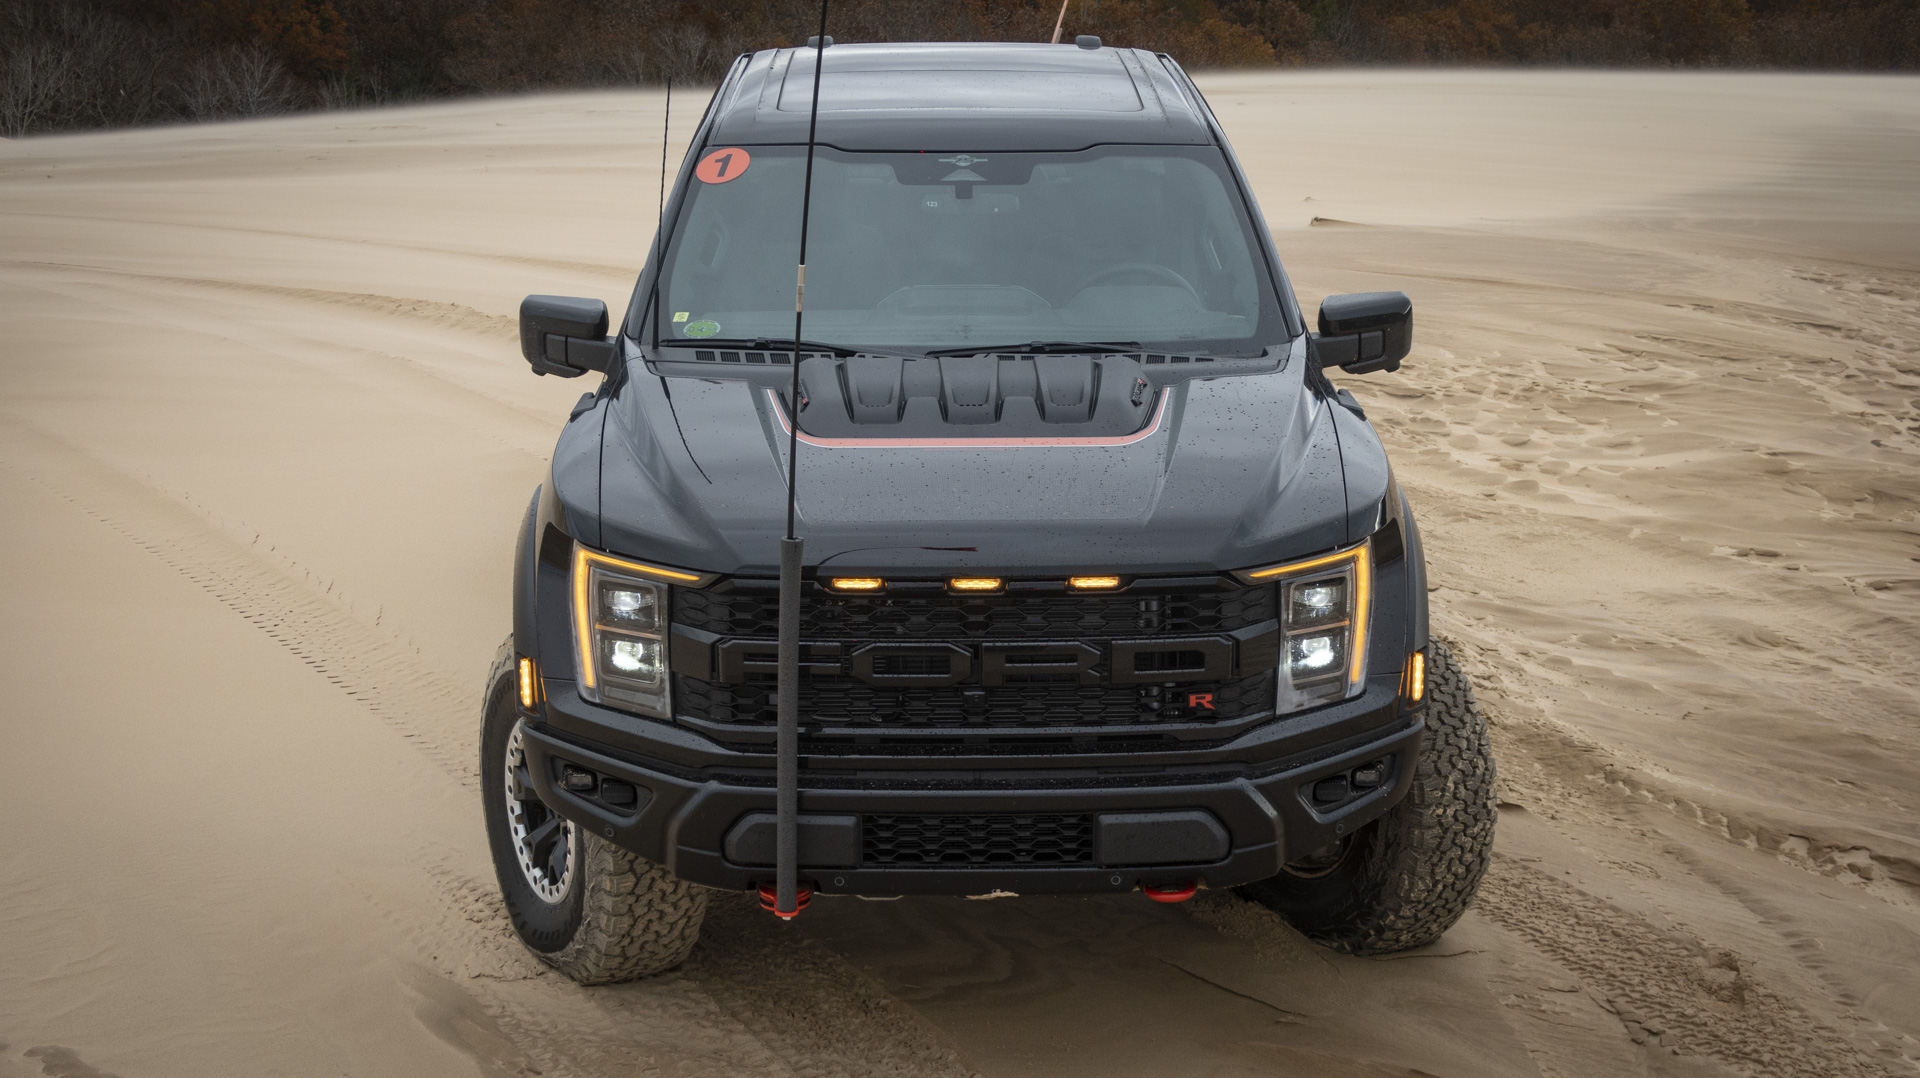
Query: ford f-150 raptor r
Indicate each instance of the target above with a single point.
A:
(1107, 587)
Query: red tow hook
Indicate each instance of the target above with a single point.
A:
(801, 896)
(1173, 892)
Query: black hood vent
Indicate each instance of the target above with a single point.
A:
(998, 396)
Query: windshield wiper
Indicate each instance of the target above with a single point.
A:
(761, 344)
(783, 346)
(1040, 348)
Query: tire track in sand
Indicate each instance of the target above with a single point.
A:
(375, 669)
(813, 1008)
(1668, 988)
(825, 1019)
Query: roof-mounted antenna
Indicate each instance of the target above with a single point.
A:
(660, 221)
(786, 898)
(1060, 22)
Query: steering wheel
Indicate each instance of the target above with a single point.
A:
(1158, 273)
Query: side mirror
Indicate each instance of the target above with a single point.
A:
(565, 336)
(1365, 331)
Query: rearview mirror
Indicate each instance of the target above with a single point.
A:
(565, 336)
(1365, 332)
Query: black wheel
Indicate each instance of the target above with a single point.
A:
(1403, 880)
(584, 906)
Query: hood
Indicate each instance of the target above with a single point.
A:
(1108, 463)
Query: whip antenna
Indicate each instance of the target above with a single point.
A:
(660, 221)
(786, 898)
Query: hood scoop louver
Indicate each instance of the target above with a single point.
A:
(983, 396)
(1013, 399)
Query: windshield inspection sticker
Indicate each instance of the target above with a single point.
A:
(706, 327)
(679, 316)
(723, 165)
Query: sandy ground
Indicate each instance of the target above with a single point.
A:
(264, 435)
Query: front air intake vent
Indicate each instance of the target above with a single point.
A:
(702, 355)
(975, 841)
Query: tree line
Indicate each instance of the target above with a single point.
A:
(70, 64)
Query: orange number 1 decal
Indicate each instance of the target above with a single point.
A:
(723, 165)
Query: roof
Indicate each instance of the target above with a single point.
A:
(1003, 97)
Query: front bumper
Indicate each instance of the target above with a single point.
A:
(1257, 787)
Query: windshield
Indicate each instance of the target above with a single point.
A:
(919, 251)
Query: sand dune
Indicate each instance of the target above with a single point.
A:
(264, 434)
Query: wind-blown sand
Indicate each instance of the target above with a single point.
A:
(265, 435)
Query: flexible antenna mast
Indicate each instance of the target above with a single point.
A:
(1060, 23)
(786, 898)
(660, 221)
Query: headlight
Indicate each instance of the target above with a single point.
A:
(1325, 603)
(620, 625)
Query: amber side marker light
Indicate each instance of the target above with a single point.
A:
(1417, 677)
(527, 678)
(974, 583)
(1093, 583)
(856, 583)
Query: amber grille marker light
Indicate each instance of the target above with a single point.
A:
(1418, 688)
(526, 682)
(1093, 583)
(974, 583)
(857, 583)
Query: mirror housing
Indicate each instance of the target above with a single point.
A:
(565, 336)
(1365, 332)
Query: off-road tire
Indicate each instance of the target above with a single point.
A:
(621, 916)
(1404, 879)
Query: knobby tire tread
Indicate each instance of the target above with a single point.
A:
(1420, 864)
(636, 918)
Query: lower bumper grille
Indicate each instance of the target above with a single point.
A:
(846, 702)
(976, 841)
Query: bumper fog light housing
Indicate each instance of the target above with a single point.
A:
(578, 779)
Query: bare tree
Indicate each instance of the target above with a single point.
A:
(684, 53)
(245, 81)
(33, 83)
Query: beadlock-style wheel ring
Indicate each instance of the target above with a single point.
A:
(544, 843)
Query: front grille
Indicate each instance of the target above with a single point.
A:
(941, 616)
(844, 701)
(975, 841)
(1014, 705)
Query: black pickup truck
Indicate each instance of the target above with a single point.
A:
(1107, 587)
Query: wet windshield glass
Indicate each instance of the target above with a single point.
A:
(918, 251)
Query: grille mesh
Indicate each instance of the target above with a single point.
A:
(844, 701)
(1028, 704)
(942, 616)
(973, 841)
